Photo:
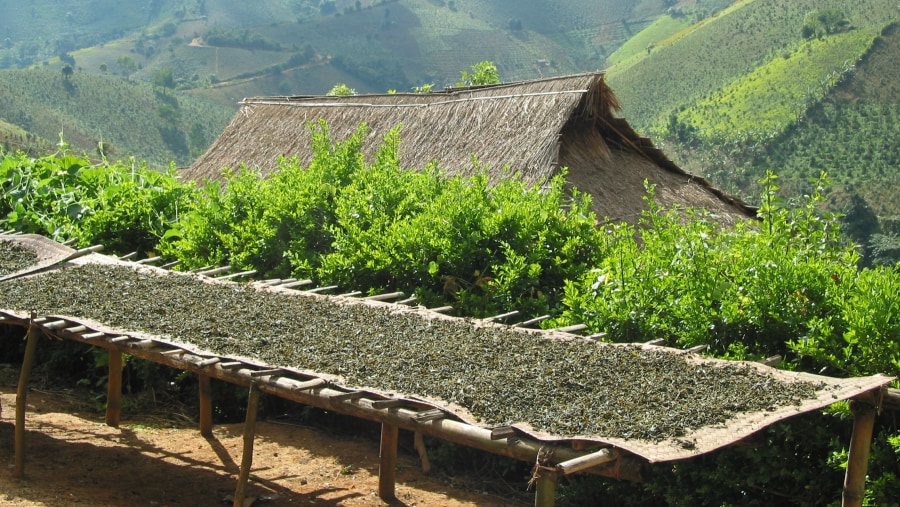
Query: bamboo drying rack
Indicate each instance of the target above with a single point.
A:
(393, 414)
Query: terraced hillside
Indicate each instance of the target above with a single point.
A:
(798, 87)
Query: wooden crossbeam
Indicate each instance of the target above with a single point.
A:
(501, 432)
(56, 324)
(352, 395)
(215, 271)
(237, 275)
(385, 297)
(310, 384)
(587, 461)
(531, 322)
(429, 415)
(571, 329)
(501, 316)
(387, 404)
(267, 372)
(322, 289)
(296, 283)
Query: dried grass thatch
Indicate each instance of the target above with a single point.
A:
(532, 127)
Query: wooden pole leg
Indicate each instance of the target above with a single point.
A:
(387, 466)
(21, 399)
(114, 389)
(205, 406)
(545, 488)
(249, 433)
(860, 444)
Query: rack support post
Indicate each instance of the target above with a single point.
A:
(387, 467)
(205, 405)
(114, 388)
(21, 399)
(545, 488)
(249, 434)
(863, 408)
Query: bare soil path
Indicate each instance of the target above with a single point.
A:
(73, 458)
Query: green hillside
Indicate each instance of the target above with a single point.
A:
(375, 45)
(634, 48)
(852, 134)
(128, 117)
(799, 87)
(776, 93)
(721, 50)
(224, 50)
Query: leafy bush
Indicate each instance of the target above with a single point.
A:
(65, 197)
(788, 284)
(375, 226)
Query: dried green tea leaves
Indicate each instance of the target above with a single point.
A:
(502, 376)
(15, 257)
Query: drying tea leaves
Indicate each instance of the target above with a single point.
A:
(15, 257)
(502, 376)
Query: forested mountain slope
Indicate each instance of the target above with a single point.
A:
(129, 118)
(797, 87)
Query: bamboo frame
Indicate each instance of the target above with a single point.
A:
(21, 399)
(247, 457)
(545, 488)
(387, 462)
(206, 407)
(114, 388)
(393, 414)
(863, 408)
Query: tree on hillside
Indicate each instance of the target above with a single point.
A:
(483, 73)
(824, 22)
(126, 65)
(164, 78)
(67, 71)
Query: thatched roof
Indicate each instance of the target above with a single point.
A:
(532, 127)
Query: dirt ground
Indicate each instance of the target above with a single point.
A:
(73, 458)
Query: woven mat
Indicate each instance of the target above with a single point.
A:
(700, 441)
(48, 253)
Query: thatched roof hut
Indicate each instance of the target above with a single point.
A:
(533, 127)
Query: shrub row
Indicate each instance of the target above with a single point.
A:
(788, 284)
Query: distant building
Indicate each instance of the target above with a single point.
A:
(534, 127)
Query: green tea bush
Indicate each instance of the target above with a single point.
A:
(64, 196)
(779, 286)
(374, 226)
(787, 284)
